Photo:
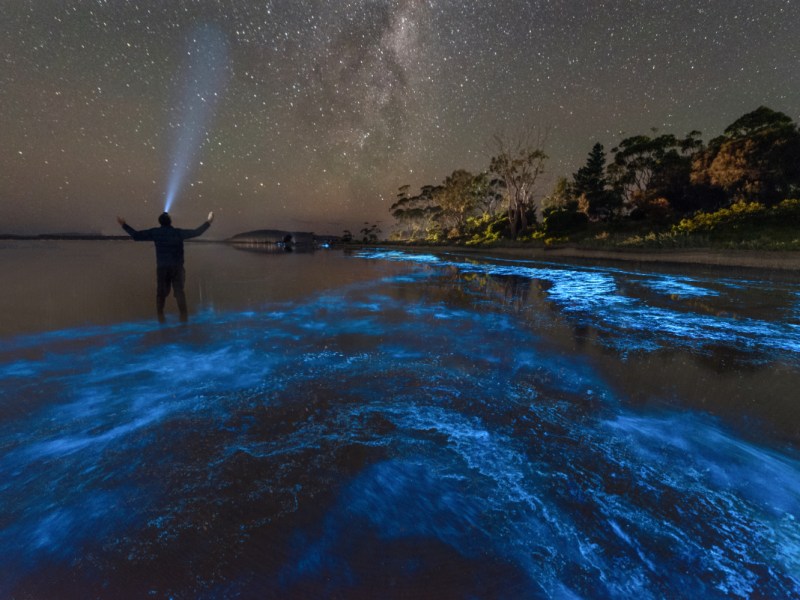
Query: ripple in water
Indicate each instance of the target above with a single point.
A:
(377, 439)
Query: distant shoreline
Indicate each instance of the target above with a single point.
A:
(61, 236)
(780, 260)
(79, 237)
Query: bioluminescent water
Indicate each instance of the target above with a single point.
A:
(204, 76)
(432, 427)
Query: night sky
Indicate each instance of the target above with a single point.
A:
(308, 115)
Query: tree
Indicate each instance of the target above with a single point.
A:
(458, 200)
(418, 214)
(369, 233)
(561, 211)
(591, 178)
(562, 196)
(590, 181)
(646, 168)
(760, 120)
(488, 194)
(402, 211)
(757, 158)
(463, 195)
(519, 164)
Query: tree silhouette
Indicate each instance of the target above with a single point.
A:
(590, 182)
(369, 233)
(519, 164)
(757, 158)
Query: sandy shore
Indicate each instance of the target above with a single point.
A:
(754, 259)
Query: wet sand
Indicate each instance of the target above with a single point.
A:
(755, 259)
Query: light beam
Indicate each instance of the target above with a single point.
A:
(205, 77)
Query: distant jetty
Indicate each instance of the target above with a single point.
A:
(279, 239)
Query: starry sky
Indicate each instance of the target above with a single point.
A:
(308, 114)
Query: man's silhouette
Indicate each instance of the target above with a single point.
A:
(169, 258)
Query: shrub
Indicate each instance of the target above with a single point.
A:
(486, 229)
(563, 220)
(655, 210)
(737, 214)
(787, 211)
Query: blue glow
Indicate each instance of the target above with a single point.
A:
(205, 76)
(796, 312)
(679, 287)
(383, 433)
(593, 296)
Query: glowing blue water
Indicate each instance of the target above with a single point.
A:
(205, 76)
(420, 435)
(593, 296)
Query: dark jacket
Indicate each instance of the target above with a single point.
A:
(168, 240)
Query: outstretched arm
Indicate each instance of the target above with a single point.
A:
(190, 233)
(139, 236)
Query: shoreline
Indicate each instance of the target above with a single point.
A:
(773, 260)
(777, 260)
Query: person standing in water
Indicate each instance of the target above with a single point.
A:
(169, 258)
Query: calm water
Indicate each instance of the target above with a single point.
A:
(380, 424)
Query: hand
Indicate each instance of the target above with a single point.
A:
(121, 221)
(210, 217)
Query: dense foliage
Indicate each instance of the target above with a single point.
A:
(657, 189)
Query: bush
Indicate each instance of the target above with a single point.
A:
(563, 220)
(743, 225)
(737, 214)
(655, 210)
(486, 229)
(788, 211)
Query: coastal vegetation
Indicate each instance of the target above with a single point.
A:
(657, 190)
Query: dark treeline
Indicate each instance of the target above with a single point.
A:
(656, 180)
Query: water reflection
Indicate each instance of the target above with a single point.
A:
(427, 430)
(276, 248)
(609, 301)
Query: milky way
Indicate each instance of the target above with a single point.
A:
(331, 106)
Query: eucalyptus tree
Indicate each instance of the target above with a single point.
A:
(417, 215)
(647, 168)
(487, 193)
(756, 158)
(457, 200)
(519, 164)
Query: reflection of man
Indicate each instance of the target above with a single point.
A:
(169, 257)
